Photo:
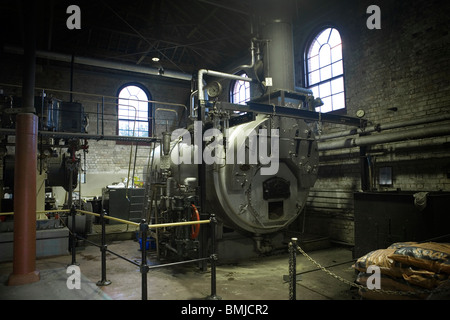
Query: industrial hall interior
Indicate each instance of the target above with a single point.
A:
(239, 150)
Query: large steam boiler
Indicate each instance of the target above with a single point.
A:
(250, 165)
(257, 177)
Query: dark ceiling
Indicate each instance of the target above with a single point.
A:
(186, 35)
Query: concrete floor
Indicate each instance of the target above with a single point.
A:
(261, 278)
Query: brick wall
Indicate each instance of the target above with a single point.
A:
(405, 66)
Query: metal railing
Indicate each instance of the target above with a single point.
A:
(144, 228)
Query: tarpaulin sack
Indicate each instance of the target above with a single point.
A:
(430, 256)
(388, 266)
(381, 259)
(424, 278)
(406, 291)
(397, 245)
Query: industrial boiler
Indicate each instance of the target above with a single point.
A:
(250, 165)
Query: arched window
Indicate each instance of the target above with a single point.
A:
(133, 111)
(240, 90)
(325, 70)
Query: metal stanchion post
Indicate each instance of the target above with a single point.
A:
(292, 269)
(73, 213)
(213, 259)
(143, 227)
(103, 281)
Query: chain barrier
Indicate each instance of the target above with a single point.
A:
(293, 246)
(292, 272)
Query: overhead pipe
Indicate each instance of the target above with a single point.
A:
(404, 135)
(203, 72)
(103, 64)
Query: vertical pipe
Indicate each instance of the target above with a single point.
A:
(202, 187)
(144, 268)
(71, 78)
(74, 236)
(97, 118)
(103, 114)
(29, 62)
(103, 281)
(24, 252)
(365, 181)
(24, 258)
(213, 259)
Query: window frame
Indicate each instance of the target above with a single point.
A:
(233, 84)
(149, 108)
(314, 35)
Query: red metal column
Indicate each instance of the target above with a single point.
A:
(24, 261)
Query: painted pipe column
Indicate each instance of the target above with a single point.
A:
(24, 260)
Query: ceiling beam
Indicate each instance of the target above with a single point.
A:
(224, 7)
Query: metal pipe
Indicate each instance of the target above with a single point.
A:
(151, 226)
(253, 59)
(24, 247)
(144, 268)
(103, 64)
(24, 259)
(29, 65)
(410, 134)
(202, 72)
(69, 135)
(103, 248)
(73, 213)
(388, 126)
(213, 259)
(192, 107)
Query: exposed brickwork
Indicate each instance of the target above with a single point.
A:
(405, 65)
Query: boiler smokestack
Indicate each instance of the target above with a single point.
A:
(278, 53)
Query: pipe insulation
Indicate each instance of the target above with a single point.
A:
(409, 134)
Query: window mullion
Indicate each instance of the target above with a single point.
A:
(325, 81)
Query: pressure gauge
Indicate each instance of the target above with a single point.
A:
(360, 113)
(214, 89)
